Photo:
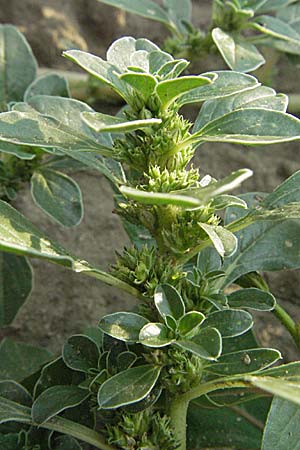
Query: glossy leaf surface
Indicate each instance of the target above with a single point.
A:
(252, 298)
(124, 326)
(230, 322)
(245, 361)
(155, 335)
(207, 344)
(128, 387)
(168, 301)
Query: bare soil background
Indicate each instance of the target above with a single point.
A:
(62, 302)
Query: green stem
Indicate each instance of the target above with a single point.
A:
(288, 323)
(178, 415)
(179, 406)
(77, 431)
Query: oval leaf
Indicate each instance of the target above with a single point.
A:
(55, 400)
(207, 344)
(189, 324)
(128, 387)
(230, 322)
(252, 298)
(155, 335)
(245, 361)
(80, 353)
(123, 325)
(168, 301)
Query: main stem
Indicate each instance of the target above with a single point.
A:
(179, 406)
(178, 415)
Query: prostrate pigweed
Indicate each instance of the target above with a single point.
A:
(183, 370)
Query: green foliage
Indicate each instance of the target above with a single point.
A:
(229, 29)
(128, 383)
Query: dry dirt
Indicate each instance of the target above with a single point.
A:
(62, 302)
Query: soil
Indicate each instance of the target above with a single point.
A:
(62, 302)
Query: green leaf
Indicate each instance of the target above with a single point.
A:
(18, 65)
(245, 361)
(66, 443)
(43, 131)
(219, 427)
(157, 60)
(17, 150)
(208, 260)
(224, 83)
(168, 301)
(128, 387)
(251, 126)
(55, 400)
(105, 123)
(207, 344)
(230, 322)
(80, 353)
(282, 427)
(155, 335)
(146, 8)
(189, 324)
(56, 373)
(58, 195)
(223, 240)
(253, 240)
(18, 235)
(290, 15)
(15, 392)
(238, 54)
(215, 188)
(49, 84)
(285, 38)
(172, 69)
(252, 298)
(288, 390)
(168, 91)
(124, 326)
(15, 285)
(157, 198)
(10, 441)
(13, 412)
(18, 361)
(103, 70)
(225, 201)
(141, 82)
(258, 97)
